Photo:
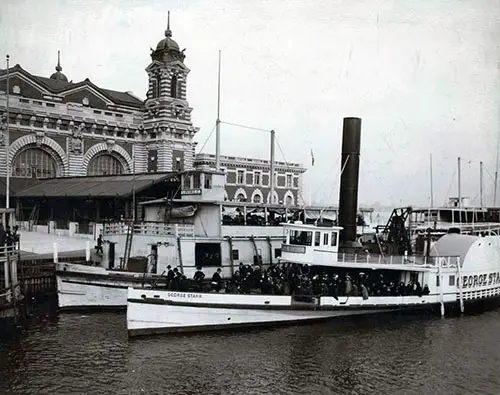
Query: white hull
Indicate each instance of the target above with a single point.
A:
(81, 286)
(154, 311)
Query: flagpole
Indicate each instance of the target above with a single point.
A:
(7, 143)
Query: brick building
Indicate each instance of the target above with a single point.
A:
(60, 128)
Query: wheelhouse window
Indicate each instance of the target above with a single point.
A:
(334, 239)
(196, 181)
(317, 238)
(208, 181)
(187, 182)
(325, 239)
(300, 237)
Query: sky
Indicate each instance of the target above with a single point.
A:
(423, 75)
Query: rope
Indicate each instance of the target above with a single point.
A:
(206, 141)
(245, 127)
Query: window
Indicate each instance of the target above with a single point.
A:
(452, 281)
(256, 177)
(104, 164)
(288, 180)
(240, 197)
(257, 198)
(437, 281)
(155, 89)
(208, 183)
(317, 238)
(241, 177)
(299, 237)
(178, 164)
(187, 181)
(196, 181)
(235, 254)
(289, 200)
(34, 162)
(277, 252)
(333, 242)
(325, 239)
(173, 87)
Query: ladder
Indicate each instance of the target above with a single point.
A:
(33, 219)
(128, 243)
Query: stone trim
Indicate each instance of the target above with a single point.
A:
(110, 147)
(40, 140)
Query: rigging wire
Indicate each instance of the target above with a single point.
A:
(208, 138)
(245, 127)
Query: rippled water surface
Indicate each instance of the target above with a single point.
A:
(90, 354)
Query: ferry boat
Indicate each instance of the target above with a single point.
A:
(459, 270)
(196, 227)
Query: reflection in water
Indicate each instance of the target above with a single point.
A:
(90, 354)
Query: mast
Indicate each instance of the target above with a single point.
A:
(459, 193)
(271, 176)
(217, 123)
(7, 143)
(432, 187)
(481, 184)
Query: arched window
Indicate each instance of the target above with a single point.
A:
(34, 163)
(173, 87)
(257, 198)
(104, 164)
(240, 197)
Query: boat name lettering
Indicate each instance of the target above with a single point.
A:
(480, 280)
(183, 295)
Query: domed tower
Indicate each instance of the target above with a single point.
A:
(58, 75)
(168, 130)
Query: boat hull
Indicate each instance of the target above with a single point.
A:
(81, 287)
(162, 312)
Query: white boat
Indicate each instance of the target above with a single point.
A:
(460, 270)
(199, 234)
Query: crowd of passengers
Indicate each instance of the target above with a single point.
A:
(297, 280)
(253, 219)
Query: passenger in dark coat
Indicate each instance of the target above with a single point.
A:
(198, 278)
(170, 276)
(217, 281)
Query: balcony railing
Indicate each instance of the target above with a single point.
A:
(150, 228)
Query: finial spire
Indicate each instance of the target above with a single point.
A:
(168, 32)
(58, 67)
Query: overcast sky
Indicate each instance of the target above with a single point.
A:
(422, 74)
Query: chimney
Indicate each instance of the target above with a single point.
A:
(348, 200)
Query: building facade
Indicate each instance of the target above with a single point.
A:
(61, 128)
(248, 179)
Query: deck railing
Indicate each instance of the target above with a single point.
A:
(443, 261)
(149, 228)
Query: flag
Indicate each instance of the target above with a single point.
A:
(312, 158)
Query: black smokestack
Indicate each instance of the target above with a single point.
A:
(348, 201)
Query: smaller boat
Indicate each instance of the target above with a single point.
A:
(460, 270)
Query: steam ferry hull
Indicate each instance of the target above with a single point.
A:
(158, 312)
(82, 287)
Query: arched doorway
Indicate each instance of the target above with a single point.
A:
(35, 162)
(105, 164)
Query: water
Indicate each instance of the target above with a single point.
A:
(90, 354)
